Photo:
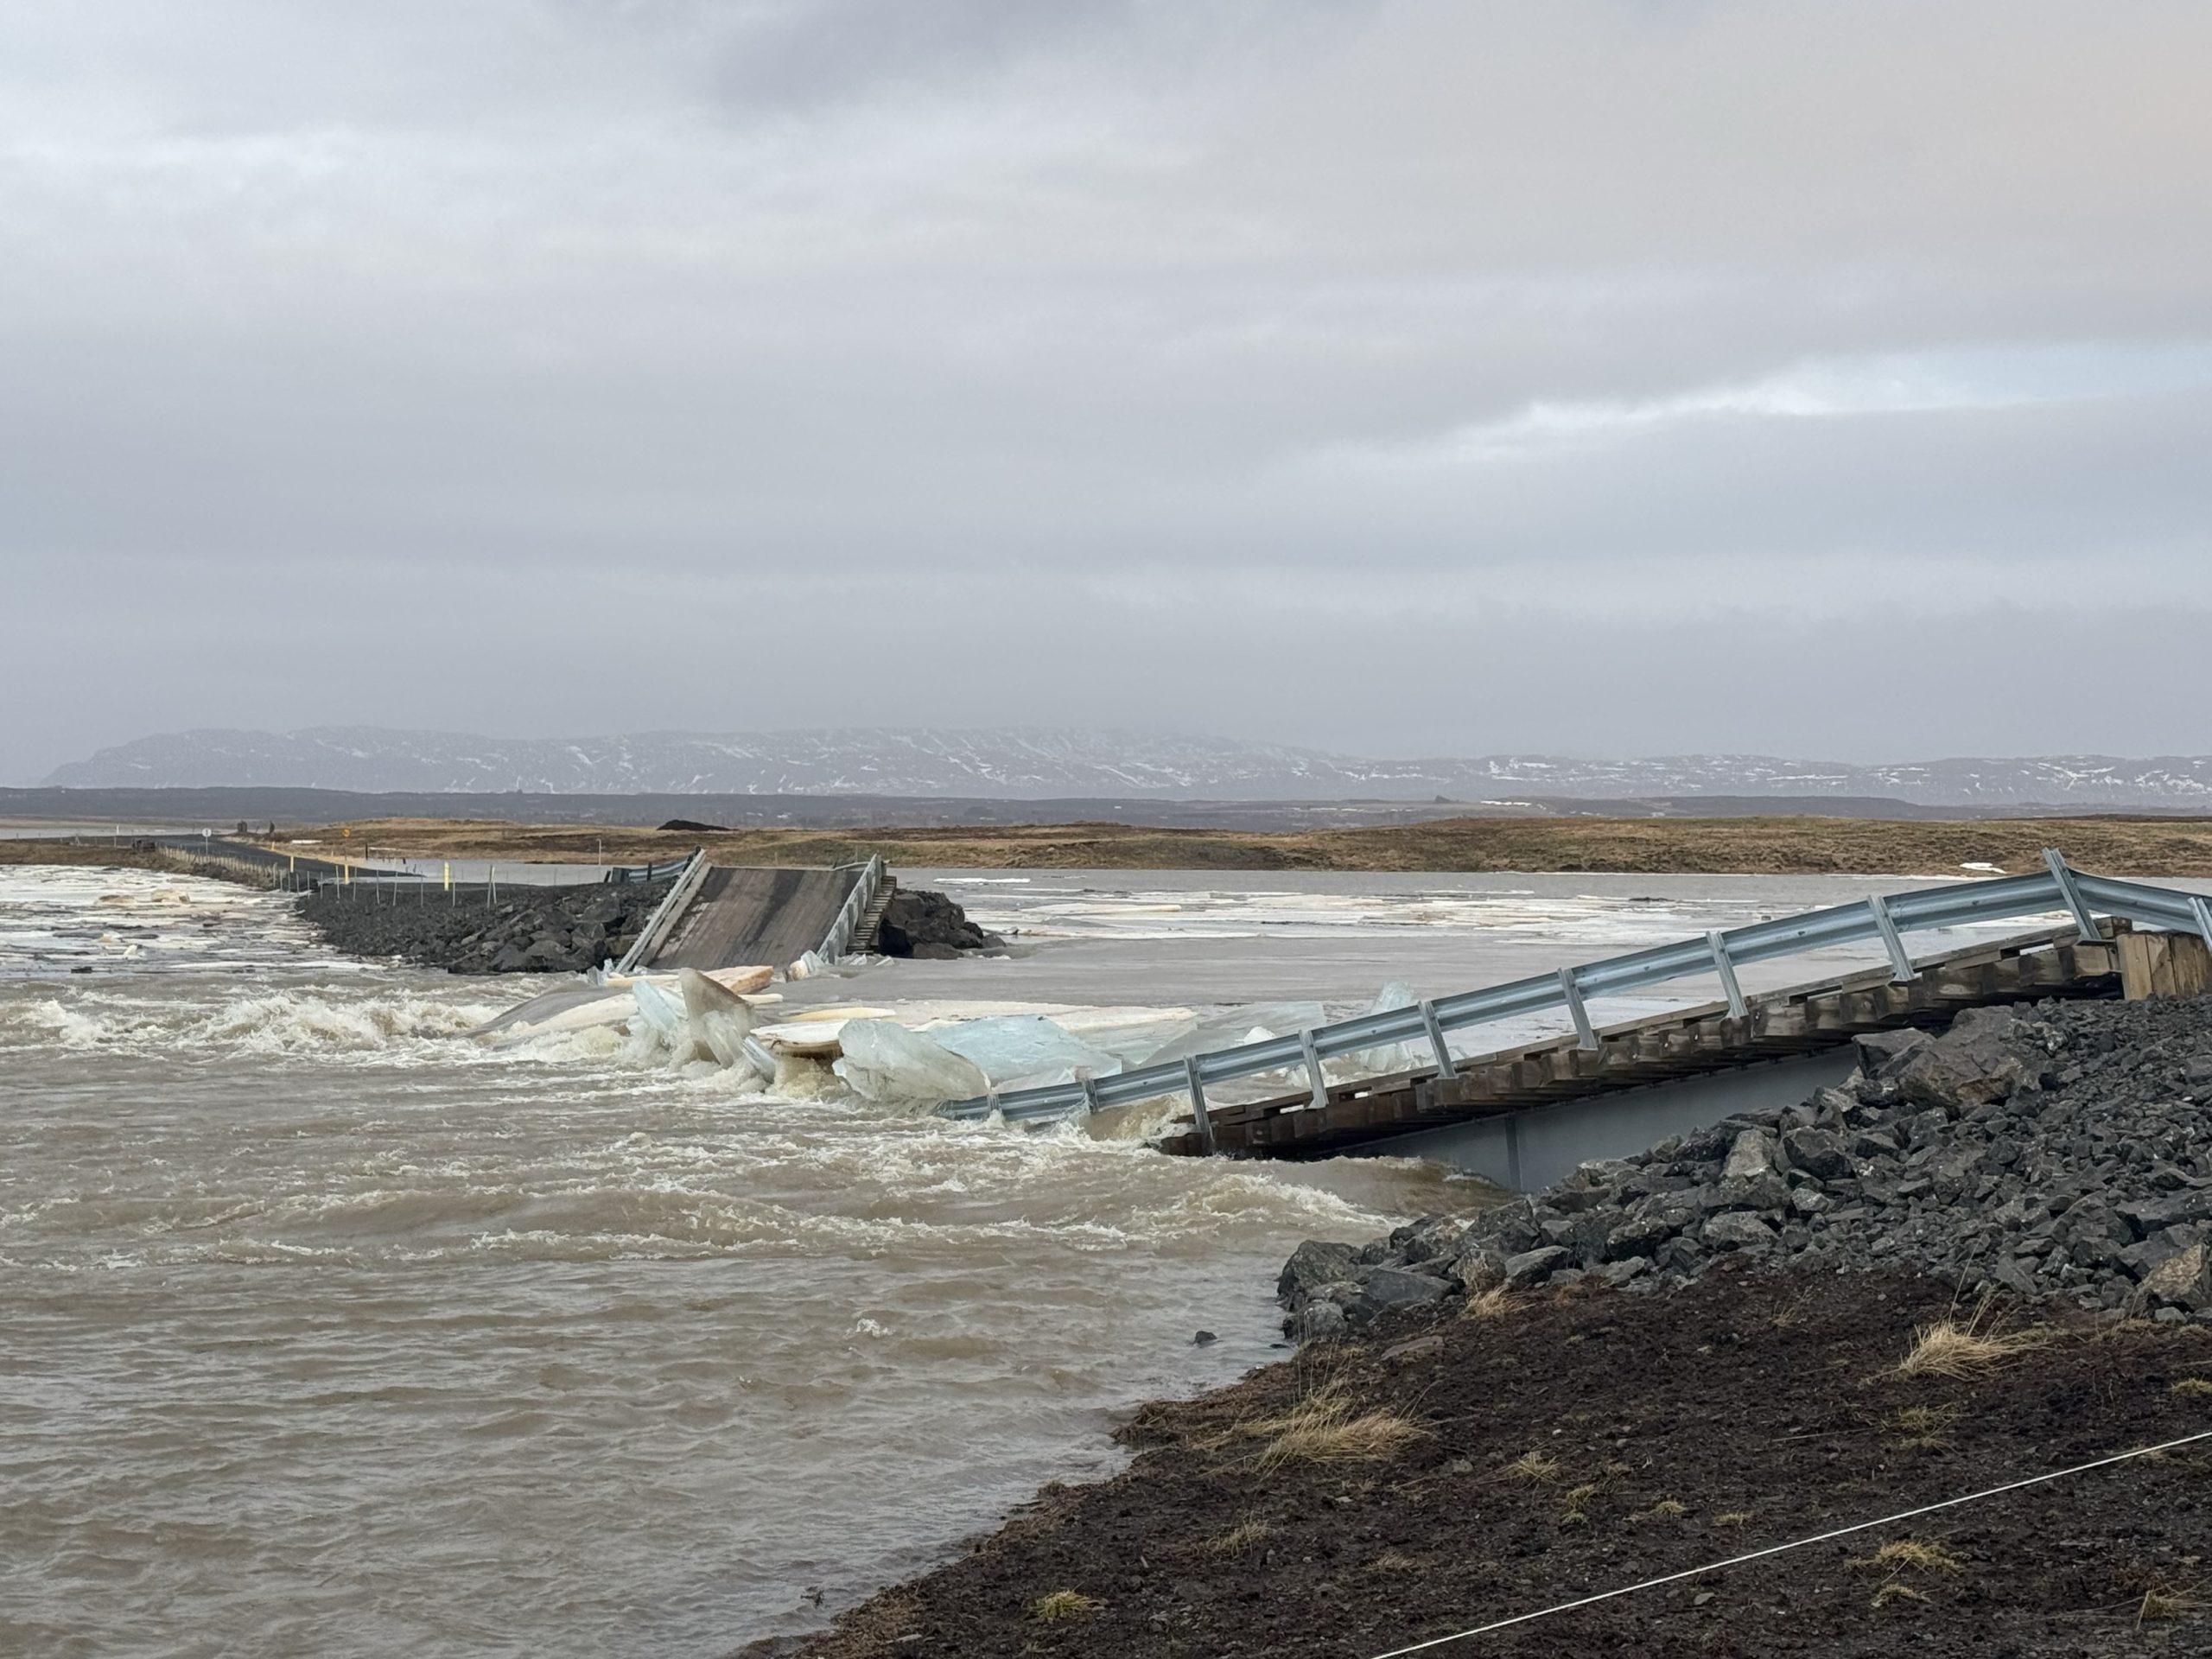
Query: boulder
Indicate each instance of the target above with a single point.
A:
(1534, 1267)
(915, 917)
(2184, 1280)
(1988, 1054)
(1317, 1322)
(1738, 1230)
(1751, 1153)
(1818, 1153)
(1765, 1192)
(1479, 1266)
(2154, 1252)
(1882, 1051)
(2148, 1216)
(1396, 1287)
(1313, 1264)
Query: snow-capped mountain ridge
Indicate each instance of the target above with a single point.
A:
(1018, 763)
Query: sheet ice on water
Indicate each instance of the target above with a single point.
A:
(885, 1061)
(961, 1059)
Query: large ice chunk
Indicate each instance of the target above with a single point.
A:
(883, 1060)
(1024, 1050)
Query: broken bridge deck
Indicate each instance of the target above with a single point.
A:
(765, 916)
(1679, 1043)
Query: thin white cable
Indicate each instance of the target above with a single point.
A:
(1798, 1543)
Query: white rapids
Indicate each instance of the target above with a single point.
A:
(331, 1327)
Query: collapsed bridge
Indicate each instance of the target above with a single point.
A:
(724, 916)
(1525, 1114)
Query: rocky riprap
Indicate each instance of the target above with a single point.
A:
(2063, 1148)
(527, 931)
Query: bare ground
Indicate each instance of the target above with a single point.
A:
(1593, 1440)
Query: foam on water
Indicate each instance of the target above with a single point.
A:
(303, 1285)
(332, 1330)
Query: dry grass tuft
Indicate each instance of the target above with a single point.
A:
(1391, 1561)
(1242, 1535)
(1058, 1604)
(1533, 1466)
(1950, 1349)
(1580, 1495)
(1669, 1509)
(1909, 1555)
(1922, 1429)
(2193, 1385)
(2162, 1602)
(1572, 1518)
(1896, 1590)
(1487, 1304)
(1732, 1519)
(1327, 1427)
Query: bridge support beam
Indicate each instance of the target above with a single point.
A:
(1528, 1150)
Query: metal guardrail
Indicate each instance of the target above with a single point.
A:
(1878, 919)
(672, 905)
(840, 936)
(618, 875)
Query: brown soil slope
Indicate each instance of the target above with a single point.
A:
(2116, 846)
(1594, 1439)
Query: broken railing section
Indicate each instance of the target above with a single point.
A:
(1884, 918)
(839, 939)
(655, 933)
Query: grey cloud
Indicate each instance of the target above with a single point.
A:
(1171, 320)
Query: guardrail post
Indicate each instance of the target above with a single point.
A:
(1313, 1068)
(1901, 968)
(1719, 945)
(2201, 908)
(2084, 917)
(1585, 1036)
(1446, 1065)
(1199, 1104)
(1090, 1093)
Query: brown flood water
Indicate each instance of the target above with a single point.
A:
(324, 1330)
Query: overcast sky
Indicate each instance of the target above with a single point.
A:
(1449, 378)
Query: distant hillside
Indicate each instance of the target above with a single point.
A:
(1013, 763)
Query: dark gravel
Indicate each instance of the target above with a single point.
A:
(2059, 1149)
(1744, 1410)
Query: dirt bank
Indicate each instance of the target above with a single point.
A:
(1461, 1468)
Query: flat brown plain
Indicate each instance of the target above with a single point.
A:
(1805, 846)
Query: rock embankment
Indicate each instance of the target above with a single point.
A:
(527, 931)
(2062, 1149)
(929, 926)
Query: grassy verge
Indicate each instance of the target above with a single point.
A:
(2113, 845)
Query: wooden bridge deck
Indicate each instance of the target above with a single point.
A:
(1801, 1020)
(759, 916)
